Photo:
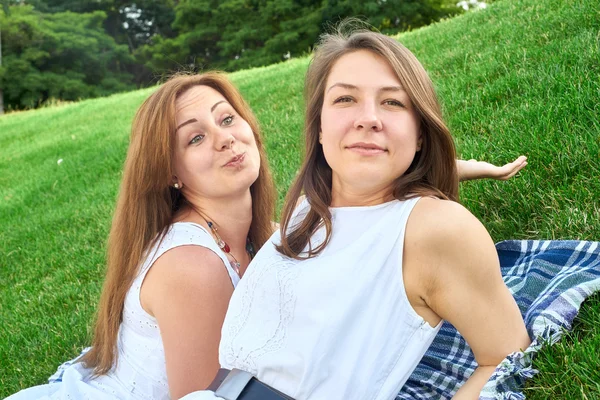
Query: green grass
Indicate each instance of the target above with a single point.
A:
(519, 77)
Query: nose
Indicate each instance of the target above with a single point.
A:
(224, 140)
(368, 118)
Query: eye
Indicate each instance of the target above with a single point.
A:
(196, 139)
(227, 120)
(343, 99)
(393, 103)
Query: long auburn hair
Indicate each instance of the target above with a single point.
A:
(432, 172)
(147, 202)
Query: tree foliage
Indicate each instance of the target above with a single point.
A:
(235, 34)
(71, 49)
(64, 56)
(128, 22)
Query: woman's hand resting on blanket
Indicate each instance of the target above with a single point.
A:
(473, 169)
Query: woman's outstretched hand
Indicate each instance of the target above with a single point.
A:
(473, 169)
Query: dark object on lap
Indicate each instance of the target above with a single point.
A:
(241, 385)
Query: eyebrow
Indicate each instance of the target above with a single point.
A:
(216, 104)
(191, 121)
(352, 87)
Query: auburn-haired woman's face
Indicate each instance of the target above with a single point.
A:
(216, 154)
(369, 128)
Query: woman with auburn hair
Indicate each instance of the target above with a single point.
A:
(197, 196)
(345, 299)
(196, 199)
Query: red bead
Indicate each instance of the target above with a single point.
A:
(226, 248)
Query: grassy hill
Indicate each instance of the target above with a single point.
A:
(522, 76)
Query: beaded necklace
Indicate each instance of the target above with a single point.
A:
(226, 249)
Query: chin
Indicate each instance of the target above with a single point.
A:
(247, 178)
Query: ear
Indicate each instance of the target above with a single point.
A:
(419, 143)
(320, 137)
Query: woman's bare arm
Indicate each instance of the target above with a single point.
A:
(463, 285)
(473, 169)
(188, 290)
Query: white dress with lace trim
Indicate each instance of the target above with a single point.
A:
(336, 326)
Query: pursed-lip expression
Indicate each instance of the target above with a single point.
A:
(236, 160)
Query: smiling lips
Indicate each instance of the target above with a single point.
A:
(236, 161)
(366, 149)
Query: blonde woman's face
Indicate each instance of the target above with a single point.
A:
(369, 129)
(216, 154)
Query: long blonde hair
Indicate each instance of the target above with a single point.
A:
(147, 202)
(432, 172)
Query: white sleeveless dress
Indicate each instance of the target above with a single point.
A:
(337, 326)
(140, 372)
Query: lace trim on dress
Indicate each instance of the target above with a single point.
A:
(276, 271)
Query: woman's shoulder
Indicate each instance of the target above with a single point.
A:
(174, 236)
(434, 220)
(185, 269)
(183, 237)
(187, 249)
(186, 261)
(444, 232)
(444, 244)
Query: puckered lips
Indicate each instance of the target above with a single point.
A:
(236, 160)
(366, 149)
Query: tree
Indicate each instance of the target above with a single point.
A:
(392, 16)
(199, 27)
(131, 42)
(274, 31)
(235, 34)
(128, 22)
(133, 23)
(64, 56)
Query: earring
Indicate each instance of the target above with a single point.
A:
(176, 185)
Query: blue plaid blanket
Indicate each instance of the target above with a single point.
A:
(549, 280)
